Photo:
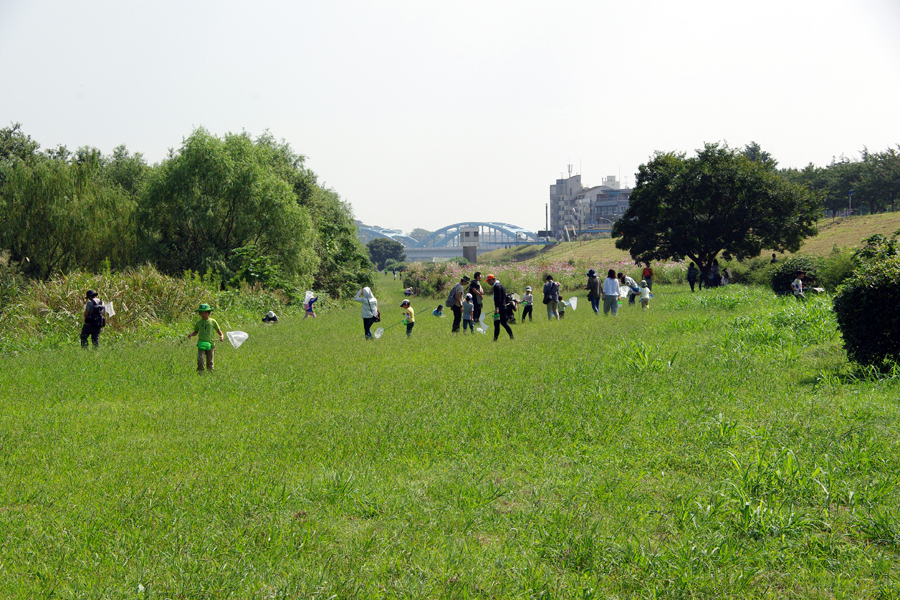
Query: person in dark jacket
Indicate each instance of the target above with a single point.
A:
(501, 309)
(477, 295)
(93, 320)
(593, 288)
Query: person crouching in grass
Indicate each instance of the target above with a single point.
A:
(203, 329)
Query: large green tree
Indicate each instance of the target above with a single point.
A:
(344, 265)
(217, 195)
(58, 210)
(719, 202)
(381, 249)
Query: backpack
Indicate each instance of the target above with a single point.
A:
(451, 299)
(97, 315)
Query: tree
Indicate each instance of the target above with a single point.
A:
(381, 249)
(879, 180)
(419, 234)
(344, 265)
(719, 202)
(57, 214)
(755, 153)
(216, 195)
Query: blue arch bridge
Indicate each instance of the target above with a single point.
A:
(445, 242)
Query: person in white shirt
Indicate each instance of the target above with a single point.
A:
(645, 295)
(611, 293)
(797, 286)
(528, 302)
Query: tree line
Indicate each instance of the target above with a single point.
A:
(242, 208)
(874, 181)
(736, 203)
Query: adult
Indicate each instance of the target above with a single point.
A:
(369, 310)
(692, 273)
(501, 307)
(647, 275)
(477, 296)
(551, 298)
(593, 288)
(94, 319)
(631, 284)
(455, 301)
(715, 275)
(611, 293)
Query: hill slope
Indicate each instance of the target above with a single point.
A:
(841, 232)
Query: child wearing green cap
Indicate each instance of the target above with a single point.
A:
(204, 328)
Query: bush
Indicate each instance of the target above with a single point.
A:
(866, 304)
(836, 268)
(756, 271)
(785, 272)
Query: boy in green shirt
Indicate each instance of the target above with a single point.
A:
(204, 328)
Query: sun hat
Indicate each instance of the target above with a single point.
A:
(465, 279)
(643, 283)
(204, 308)
(591, 273)
(468, 296)
(404, 303)
(527, 288)
(90, 294)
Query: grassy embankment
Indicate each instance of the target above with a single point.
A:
(843, 232)
(718, 445)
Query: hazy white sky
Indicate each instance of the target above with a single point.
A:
(423, 114)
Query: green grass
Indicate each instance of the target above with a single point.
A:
(717, 445)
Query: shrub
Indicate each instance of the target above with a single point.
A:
(836, 267)
(785, 272)
(866, 304)
(753, 271)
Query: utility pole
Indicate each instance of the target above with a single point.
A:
(850, 195)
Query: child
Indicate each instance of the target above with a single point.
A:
(797, 286)
(409, 317)
(203, 329)
(645, 295)
(467, 308)
(562, 307)
(309, 308)
(528, 302)
(439, 311)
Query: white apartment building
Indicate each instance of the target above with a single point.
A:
(575, 206)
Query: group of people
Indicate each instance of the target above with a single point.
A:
(466, 301)
(611, 290)
(712, 276)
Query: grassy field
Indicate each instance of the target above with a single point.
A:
(717, 445)
(846, 233)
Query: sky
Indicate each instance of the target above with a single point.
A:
(424, 114)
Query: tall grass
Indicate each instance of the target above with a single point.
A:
(655, 454)
(148, 305)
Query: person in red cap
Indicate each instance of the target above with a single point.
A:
(501, 308)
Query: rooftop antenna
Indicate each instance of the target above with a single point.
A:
(570, 170)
